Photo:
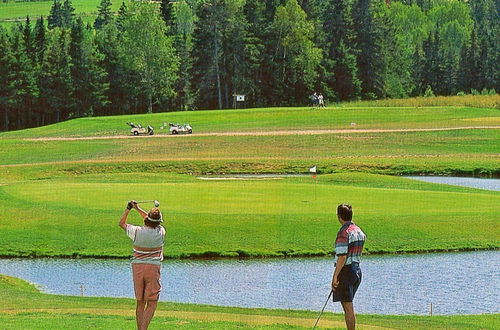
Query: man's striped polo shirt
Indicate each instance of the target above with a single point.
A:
(350, 241)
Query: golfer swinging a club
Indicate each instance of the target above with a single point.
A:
(146, 260)
(347, 274)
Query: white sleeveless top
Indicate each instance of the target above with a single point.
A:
(147, 238)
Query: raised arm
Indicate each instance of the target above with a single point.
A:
(123, 218)
(143, 213)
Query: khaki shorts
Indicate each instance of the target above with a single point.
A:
(147, 284)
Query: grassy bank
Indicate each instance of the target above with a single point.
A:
(77, 216)
(464, 152)
(266, 119)
(16, 11)
(23, 306)
(458, 152)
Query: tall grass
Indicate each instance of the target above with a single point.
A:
(474, 101)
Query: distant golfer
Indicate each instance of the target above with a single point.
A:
(347, 274)
(146, 260)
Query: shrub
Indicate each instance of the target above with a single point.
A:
(429, 92)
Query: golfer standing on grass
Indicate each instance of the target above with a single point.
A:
(347, 274)
(146, 260)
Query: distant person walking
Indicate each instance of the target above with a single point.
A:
(146, 260)
(347, 275)
(314, 100)
(321, 101)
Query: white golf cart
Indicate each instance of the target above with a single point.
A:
(137, 129)
(180, 129)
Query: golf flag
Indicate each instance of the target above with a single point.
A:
(313, 171)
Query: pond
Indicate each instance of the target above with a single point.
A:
(455, 283)
(487, 184)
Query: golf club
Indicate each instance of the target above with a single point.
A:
(319, 316)
(156, 203)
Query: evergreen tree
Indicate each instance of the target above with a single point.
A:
(104, 15)
(121, 92)
(433, 69)
(453, 24)
(470, 68)
(208, 54)
(24, 81)
(339, 59)
(55, 16)
(167, 12)
(67, 14)
(122, 14)
(486, 16)
(254, 63)
(6, 86)
(369, 40)
(28, 39)
(39, 40)
(182, 29)
(89, 78)
(55, 78)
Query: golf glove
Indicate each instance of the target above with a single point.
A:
(130, 205)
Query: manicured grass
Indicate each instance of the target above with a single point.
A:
(462, 152)
(13, 10)
(265, 119)
(288, 217)
(24, 307)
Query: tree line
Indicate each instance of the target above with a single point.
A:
(198, 54)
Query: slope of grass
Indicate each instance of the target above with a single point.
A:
(288, 217)
(18, 10)
(265, 119)
(24, 307)
(463, 152)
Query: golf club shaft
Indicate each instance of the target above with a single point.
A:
(140, 202)
(319, 316)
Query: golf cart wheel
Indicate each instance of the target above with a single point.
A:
(151, 133)
(190, 131)
(175, 132)
(136, 133)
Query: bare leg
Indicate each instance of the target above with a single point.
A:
(139, 312)
(350, 318)
(148, 314)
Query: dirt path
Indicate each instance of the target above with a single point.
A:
(269, 133)
(250, 319)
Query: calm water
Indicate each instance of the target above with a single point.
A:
(455, 283)
(488, 184)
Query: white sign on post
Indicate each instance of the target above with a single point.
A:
(240, 98)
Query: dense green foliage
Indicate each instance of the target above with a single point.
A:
(192, 54)
(23, 306)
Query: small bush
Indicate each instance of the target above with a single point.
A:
(429, 92)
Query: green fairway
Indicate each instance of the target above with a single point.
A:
(16, 11)
(445, 152)
(265, 119)
(65, 189)
(287, 217)
(23, 306)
